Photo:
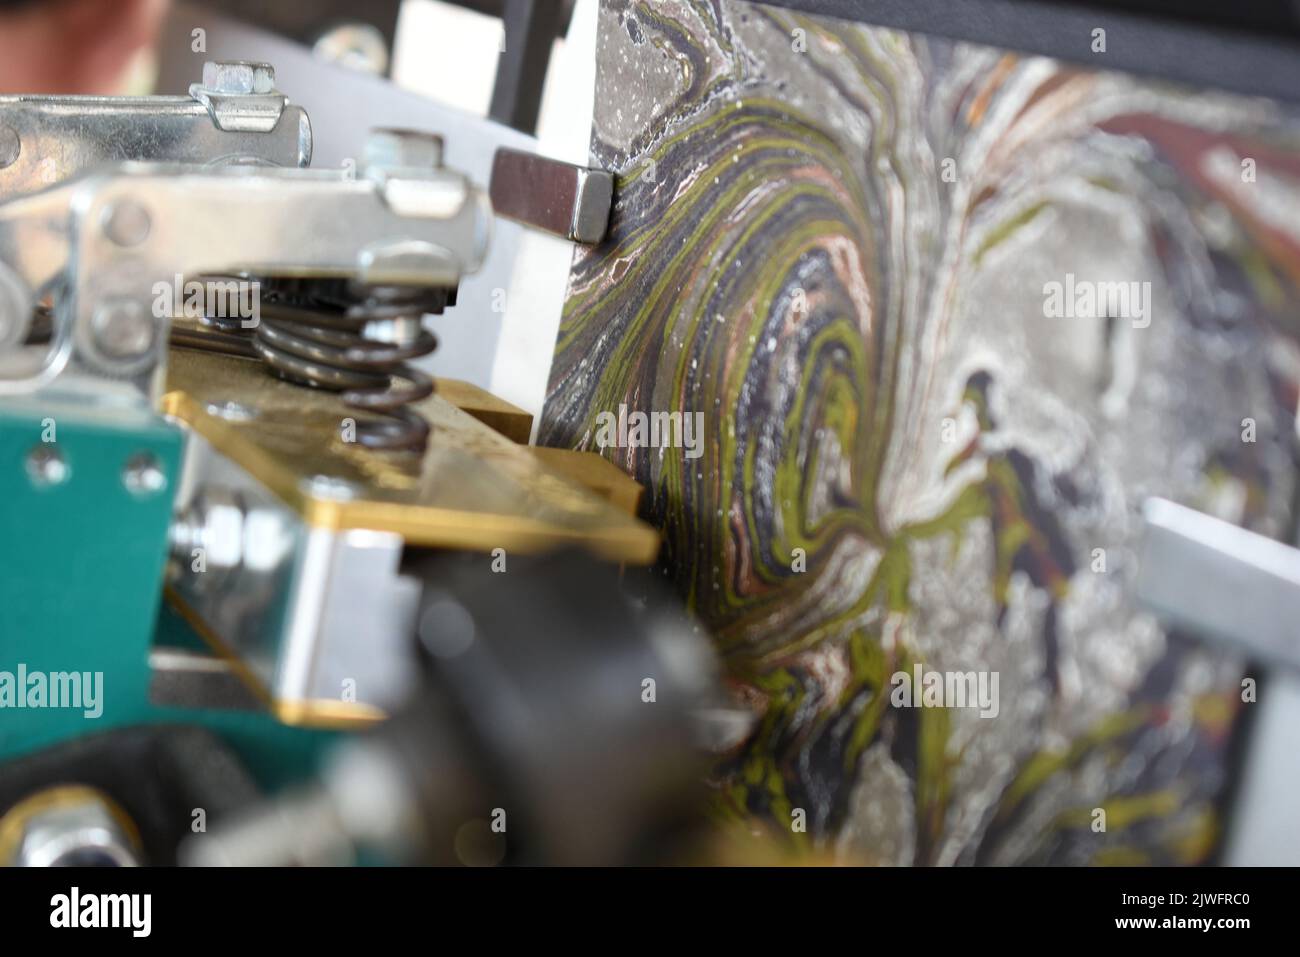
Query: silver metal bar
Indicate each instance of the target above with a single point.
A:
(1223, 582)
(234, 116)
(560, 198)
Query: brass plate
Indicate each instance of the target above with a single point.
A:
(594, 472)
(504, 417)
(472, 489)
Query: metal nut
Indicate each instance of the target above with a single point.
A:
(143, 476)
(238, 77)
(222, 515)
(46, 466)
(68, 826)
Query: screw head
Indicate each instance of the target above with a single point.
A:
(126, 223)
(10, 146)
(123, 329)
(143, 476)
(46, 466)
(238, 77)
(403, 149)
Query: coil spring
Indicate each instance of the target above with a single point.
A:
(357, 342)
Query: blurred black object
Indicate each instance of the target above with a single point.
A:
(553, 725)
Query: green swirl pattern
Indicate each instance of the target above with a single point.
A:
(833, 241)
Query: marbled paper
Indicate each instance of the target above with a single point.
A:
(859, 253)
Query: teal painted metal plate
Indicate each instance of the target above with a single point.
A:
(81, 573)
(81, 566)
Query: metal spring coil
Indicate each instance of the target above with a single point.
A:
(359, 343)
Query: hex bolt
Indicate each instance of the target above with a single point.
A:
(10, 146)
(46, 466)
(213, 523)
(123, 329)
(70, 826)
(126, 223)
(143, 476)
(403, 149)
(238, 77)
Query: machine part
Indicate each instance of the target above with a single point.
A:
(128, 795)
(186, 678)
(394, 226)
(560, 198)
(472, 489)
(305, 24)
(543, 730)
(499, 415)
(240, 96)
(356, 46)
(363, 349)
(10, 146)
(398, 149)
(15, 309)
(594, 472)
(50, 139)
(288, 541)
(46, 466)
(123, 329)
(68, 826)
(345, 106)
(85, 526)
(1216, 579)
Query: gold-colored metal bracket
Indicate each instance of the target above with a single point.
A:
(471, 489)
(313, 713)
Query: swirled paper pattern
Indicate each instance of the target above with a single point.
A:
(836, 242)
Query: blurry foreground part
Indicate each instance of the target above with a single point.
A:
(1221, 582)
(68, 826)
(552, 724)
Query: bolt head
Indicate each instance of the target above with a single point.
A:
(143, 476)
(223, 529)
(123, 329)
(238, 77)
(46, 466)
(126, 223)
(403, 149)
(71, 825)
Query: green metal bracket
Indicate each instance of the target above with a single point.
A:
(86, 497)
(85, 505)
